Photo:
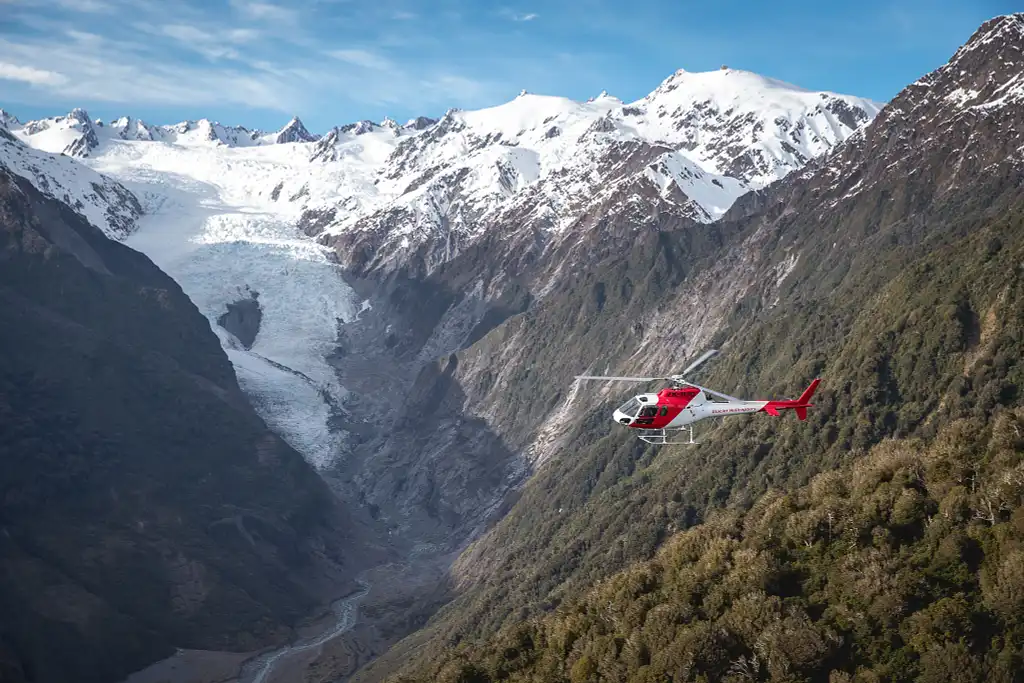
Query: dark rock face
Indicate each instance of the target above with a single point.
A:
(421, 122)
(243, 319)
(294, 131)
(144, 505)
(84, 144)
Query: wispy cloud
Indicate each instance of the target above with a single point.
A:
(363, 58)
(114, 72)
(331, 58)
(84, 37)
(213, 44)
(517, 16)
(264, 11)
(30, 75)
(88, 6)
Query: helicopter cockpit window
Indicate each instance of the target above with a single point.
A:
(649, 411)
(629, 407)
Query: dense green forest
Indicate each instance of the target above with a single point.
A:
(906, 565)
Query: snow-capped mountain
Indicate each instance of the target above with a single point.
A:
(76, 135)
(294, 131)
(541, 163)
(7, 120)
(72, 134)
(104, 202)
(537, 163)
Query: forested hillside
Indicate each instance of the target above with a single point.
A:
(891, 268)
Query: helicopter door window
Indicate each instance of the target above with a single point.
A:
(629, 407)
(648, 411)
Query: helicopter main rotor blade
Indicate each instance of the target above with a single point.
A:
(700, 361)
(620, 379)
(713, 392)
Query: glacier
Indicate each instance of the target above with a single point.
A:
(215, 245)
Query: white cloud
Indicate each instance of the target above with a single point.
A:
(29, 74)
(362, 58)
(115, 75)
(450, 87)
(88, 6)
(518, 16)
(242, 35)
(185, 33)
(146, 62)
(264, 11)
(84, 36)
(211, 44)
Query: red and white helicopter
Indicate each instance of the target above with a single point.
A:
(676, 407)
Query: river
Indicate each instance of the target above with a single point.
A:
(257, 669)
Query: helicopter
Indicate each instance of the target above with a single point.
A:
(659, 418)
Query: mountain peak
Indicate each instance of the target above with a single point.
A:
(420, 122)
(947, 129)
(727, 79)
(8, 119)
(359, 127)
(993, 37)
(1004, 27)
(986, 72)
(294, 131)
(80, 115)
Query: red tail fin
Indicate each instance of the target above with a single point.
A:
(808, 392)
(800, 405)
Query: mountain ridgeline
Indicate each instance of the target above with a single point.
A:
(145, 506)
(892, 268)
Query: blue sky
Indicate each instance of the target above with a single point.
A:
(258, 62)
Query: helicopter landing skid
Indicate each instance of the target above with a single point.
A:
(663, 437)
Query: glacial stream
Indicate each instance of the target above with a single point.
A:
(258, 669)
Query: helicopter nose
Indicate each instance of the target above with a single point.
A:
(621, 417)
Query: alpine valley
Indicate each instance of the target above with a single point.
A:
(335, 433)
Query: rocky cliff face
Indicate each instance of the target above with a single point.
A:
(144, 506)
